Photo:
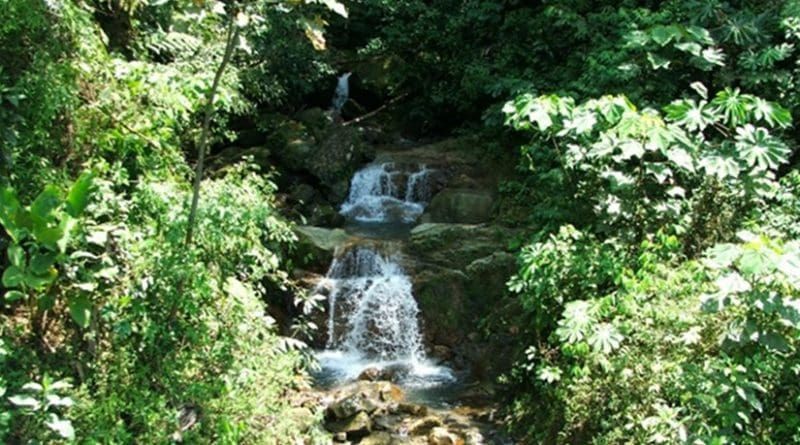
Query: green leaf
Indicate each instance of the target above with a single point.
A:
(771, 112)
(336, 7)
(44, 204)
(25, 402)
(46, 234)
(722, 255)
(13, 276)
(775, 342)
(720, 166)
(9, 208)
(16, 255)
(759, 149)
(681, 158)
(658, 62)
(62, 427)
(714, 56)
(757, 261)
(692, 48)
(78, 196)
(14, 295)
(81, 310)
(605, 338)
(41, 263)
(662, 35)
(40, 281)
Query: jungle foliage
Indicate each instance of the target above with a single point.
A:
(114, 329)
(657, 298)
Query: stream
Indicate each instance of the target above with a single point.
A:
(374, 331)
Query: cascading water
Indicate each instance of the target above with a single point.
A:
(373, 318)
(374, 293)
(342, 93)
(388, 193)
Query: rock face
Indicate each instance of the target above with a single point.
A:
(316, 246)
(468, 206)
(460, 273)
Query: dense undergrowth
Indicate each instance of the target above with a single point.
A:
(114, 329)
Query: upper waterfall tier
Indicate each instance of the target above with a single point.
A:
(389, 193)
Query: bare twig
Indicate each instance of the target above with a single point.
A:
(375, 111)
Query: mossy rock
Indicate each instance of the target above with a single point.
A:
(468, 206)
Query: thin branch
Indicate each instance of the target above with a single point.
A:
(375, 111)
(233, 35)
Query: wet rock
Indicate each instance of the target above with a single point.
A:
(423, 426)
(316, 246)
(371, 374)
(441, 436)
(468, 206)
(442, 352)
(356, 426)
(352, 404)
(474, 437)
(375, 374)
(379, 438)
(302, 193)
(457, 245)
(390, 393)
(413, 409)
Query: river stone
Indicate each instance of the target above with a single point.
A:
(352, 404)
(359, 425)
(423, 426)
(412, 409)
(441, 436)
(379, 438)
(469, 206)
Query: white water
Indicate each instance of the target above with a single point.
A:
(373, 320)
(387, 193)
(342, 93)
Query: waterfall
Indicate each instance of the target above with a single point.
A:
(388, 193)
(342, 93)
(373, 318)
(371, 293)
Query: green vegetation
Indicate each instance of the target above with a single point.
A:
(147, 253)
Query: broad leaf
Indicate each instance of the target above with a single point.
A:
(41, 263)
(605, 338)
(78, 196)
(759, 149)
(81, 310)
(13, 276)
(16, 255)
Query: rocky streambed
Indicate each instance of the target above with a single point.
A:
(408, 267)
(382, 413)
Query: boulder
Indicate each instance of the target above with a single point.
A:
(487, 278)
(468, 206)
(424, 426)
(440, 294)
(316, 246)
(441, 436)
(412, 409)
(379, 438)
(457, 245)
(351, 405)
(356, 426)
